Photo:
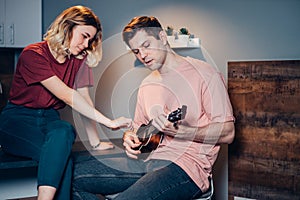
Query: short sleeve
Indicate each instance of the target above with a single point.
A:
(216, 100)
(84, 76)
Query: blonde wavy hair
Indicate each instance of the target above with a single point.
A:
(59, 34)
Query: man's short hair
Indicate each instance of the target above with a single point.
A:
(150, 24)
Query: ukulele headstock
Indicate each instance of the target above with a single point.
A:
(177, 115)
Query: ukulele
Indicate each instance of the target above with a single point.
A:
(150, 137)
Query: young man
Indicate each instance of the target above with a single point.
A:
(181, 166)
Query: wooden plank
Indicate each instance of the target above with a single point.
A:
(266, 143)
(264, 159)
(266, 172)
(260, 192)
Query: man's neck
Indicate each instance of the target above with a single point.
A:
(173, 60)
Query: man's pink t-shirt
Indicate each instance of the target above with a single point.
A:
(35, 64)
(202, 89)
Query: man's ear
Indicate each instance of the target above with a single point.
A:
(163, 37)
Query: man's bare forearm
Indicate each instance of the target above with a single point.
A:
(215, 133)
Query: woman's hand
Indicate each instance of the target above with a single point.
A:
(131, 141)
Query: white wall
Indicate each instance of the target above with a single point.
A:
(229, 29)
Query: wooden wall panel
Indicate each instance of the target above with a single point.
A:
(264, 159)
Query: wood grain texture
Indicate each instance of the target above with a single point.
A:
(264, 159)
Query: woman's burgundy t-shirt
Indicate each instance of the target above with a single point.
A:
(35, 64)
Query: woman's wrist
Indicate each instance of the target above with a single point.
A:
(107, 122)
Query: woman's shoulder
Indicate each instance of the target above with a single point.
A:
(35, 51)
(39, 47)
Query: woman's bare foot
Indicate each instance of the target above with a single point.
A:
(104, 146)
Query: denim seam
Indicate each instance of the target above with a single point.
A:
(106, 176)
(77, 195)
(173, 186)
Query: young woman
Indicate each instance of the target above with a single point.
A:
(50, 75)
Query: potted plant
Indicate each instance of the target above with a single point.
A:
(169, 30)
(183, 35)
(184, 31)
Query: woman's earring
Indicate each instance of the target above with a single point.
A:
(68, 53)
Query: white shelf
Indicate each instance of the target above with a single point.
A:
(183, 41)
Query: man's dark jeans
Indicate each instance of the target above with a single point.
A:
(132, 179)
